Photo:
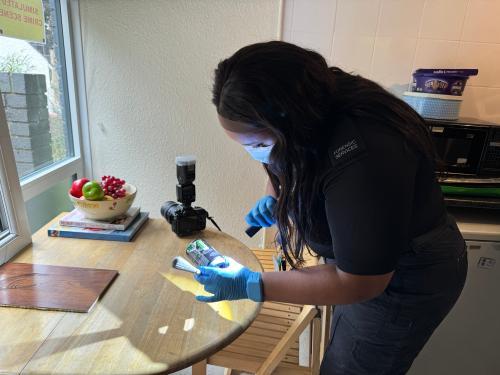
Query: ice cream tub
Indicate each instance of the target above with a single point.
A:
(441, 81)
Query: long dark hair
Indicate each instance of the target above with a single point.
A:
(291, 91)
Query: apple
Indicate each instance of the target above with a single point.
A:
(93, 191)
(76, 187)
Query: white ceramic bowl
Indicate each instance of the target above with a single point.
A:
(105, 209)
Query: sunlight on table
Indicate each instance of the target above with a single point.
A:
(188, 284)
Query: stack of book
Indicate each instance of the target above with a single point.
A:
(122, 228)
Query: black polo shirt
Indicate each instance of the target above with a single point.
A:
(378, 192)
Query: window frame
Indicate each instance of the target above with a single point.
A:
(80, 164)
(15, 211)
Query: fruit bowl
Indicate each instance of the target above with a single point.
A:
(107, 208)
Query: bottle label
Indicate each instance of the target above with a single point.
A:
(202, 254)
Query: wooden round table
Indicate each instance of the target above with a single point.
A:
(147, 322)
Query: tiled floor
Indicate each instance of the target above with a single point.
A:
(211, 370)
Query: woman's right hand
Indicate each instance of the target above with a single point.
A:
(262, 214)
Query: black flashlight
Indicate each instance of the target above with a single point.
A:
(251, 231)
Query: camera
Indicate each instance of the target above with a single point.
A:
(185, 220)
(183, 217)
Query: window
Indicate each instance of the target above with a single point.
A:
(44, 112)
(35, 90)
(39, 91)
(4, 229)
(14, 232)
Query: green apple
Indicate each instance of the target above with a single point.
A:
(92, 191)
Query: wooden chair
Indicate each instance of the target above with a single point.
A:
(271, 344)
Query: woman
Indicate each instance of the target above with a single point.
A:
(352, 174)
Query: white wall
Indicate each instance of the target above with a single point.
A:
(149, 67)
(385, 40)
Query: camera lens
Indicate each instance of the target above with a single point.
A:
(168, 210)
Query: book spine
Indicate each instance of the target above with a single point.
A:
(86, 236)
(140, 222)
(69, 223)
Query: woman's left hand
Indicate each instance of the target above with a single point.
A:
(262, 214)
(229, 283)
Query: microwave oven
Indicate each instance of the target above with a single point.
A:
(469, 148)
(469, 155)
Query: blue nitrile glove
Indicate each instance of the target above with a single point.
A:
(262, 214)
(230, 283)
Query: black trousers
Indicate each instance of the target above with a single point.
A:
(385, 334)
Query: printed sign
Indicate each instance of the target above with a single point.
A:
(22, 19)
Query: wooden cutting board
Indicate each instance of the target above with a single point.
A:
(36, 286)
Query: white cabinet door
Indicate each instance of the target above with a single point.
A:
(14, 231)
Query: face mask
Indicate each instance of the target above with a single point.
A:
(260, 153)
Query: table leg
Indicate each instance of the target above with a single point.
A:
(200, 368)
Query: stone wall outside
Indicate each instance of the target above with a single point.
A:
(25, 100)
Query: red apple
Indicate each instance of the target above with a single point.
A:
(76, 187)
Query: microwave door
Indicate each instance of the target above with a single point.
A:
(459, 148)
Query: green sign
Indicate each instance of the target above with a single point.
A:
(22, 19)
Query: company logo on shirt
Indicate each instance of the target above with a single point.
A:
(346, 148)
